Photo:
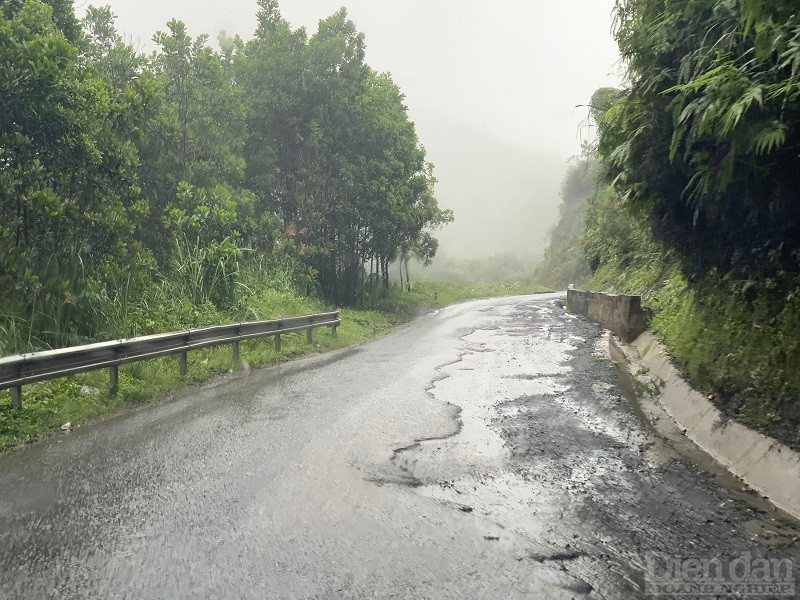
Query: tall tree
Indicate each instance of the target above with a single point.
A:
(331, 150)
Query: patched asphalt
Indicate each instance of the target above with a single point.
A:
(483, 451)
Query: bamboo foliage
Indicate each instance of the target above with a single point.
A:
(708, 133)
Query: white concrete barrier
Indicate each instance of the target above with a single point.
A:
(762, 462)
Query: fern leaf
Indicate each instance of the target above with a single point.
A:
(675, 145)
(770, 139)
(725, 69)
(754, 94)
(751, 12)
(687, 112)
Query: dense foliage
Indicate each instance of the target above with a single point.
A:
(566, 259)
(707, 137)
(194, 174)
(702, 152)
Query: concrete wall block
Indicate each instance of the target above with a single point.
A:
(621, 314)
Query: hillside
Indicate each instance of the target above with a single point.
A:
(698, 211)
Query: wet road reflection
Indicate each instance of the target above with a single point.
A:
(484, 451)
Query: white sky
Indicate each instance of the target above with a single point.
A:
(491, 80)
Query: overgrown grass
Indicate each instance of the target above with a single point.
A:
(735, 338)
(80, 398)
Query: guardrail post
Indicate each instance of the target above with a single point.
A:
(184, 363)
(113, 376)
(334, 333)
(237, 357)
(16, 396)
(277, 343)
(310, 336)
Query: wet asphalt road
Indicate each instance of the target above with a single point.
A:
(484, 451)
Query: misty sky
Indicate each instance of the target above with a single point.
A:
(492, 87)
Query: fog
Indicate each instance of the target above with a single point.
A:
(492, 88)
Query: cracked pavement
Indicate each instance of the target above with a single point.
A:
(482, 451)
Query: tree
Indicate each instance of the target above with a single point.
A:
(68, 193)
(105, 49)
(120, 170)
(331, 151)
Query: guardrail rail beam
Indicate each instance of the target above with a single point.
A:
(25, 369)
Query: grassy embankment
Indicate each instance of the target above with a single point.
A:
(80, 398)
(735, 338)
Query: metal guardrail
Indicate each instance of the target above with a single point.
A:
(24, 369)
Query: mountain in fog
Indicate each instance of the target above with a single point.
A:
(505, 198)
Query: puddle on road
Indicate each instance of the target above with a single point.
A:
(555, 466)
(518, 375)
(487, 375)
(471, 471)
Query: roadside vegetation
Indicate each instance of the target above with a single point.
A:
(198, 185)
(187, 181)
(697, 208)
(564, 261)
(499, 269)
(81, 398)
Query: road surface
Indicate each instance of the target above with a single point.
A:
(483, 451)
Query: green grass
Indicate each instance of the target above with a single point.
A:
(81, 398)
(736, 339)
